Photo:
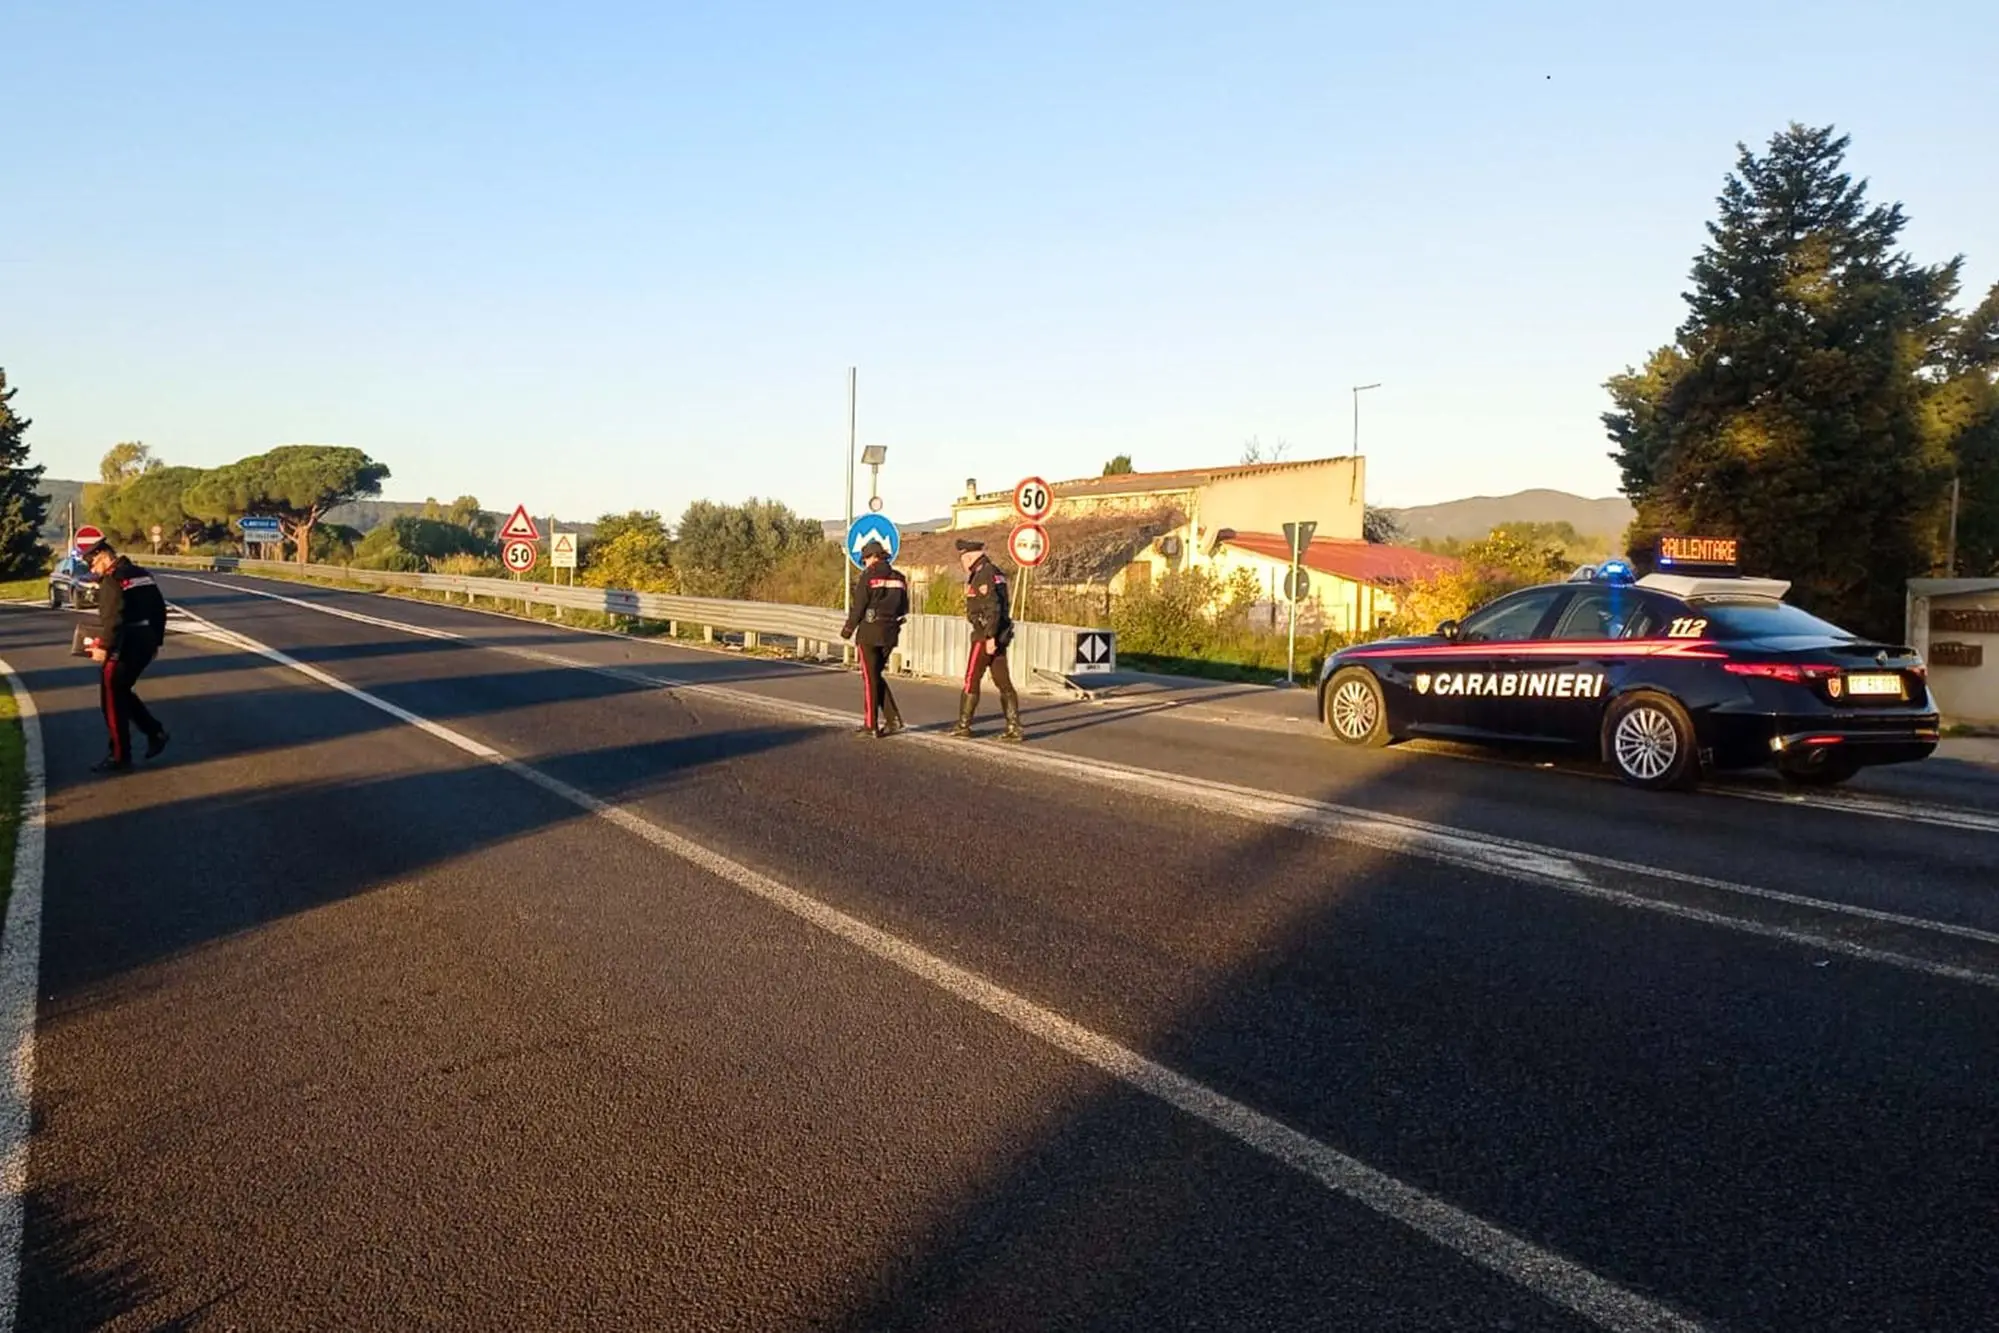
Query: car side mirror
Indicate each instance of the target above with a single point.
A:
(1449, 630)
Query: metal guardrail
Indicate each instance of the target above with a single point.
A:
(1046, 656)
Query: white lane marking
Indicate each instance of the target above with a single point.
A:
(1555, 1278)
(1874, 807)
(1568, 871)
(419, 630)
(20, 971)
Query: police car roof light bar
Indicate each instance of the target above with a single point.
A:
(1615, 571)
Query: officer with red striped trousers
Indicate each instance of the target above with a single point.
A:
(988, 608)
(876, 611)
(132, 624)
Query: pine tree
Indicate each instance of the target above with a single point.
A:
(23, 508)
(1791, 410)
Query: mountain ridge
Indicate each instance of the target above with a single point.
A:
(1477, 515)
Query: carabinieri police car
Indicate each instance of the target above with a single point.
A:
(1693, 667)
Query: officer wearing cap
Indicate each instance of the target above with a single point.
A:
(986, 606)
(131, 626)
(878, 606)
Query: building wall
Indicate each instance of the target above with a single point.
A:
(1967, 695)
(978, 513)
(1333, 602)
(1332, 494)
(985, 509)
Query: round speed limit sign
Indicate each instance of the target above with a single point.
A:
(1032, 499)
(1028, 545)
(519, 556)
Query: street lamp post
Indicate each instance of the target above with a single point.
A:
(847, 585)
(1358, 389)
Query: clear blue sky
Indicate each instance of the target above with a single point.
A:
(598, 256)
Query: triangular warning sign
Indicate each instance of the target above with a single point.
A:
(520, 528)
(565, 542)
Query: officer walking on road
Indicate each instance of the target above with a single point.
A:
(131, 626)
(874, 623)
(987, 607)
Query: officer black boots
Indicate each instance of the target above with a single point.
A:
(1013, 731)
(891, 717)
(967, 705)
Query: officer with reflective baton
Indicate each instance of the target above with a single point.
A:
(879, 604)
(987, 607)
(131, 626)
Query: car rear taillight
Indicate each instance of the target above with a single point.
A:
(1793, 672)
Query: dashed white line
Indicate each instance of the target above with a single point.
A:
(1552, 1276)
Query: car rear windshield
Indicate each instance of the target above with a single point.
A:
(1764, 618)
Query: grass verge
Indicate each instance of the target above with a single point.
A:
(13, 788)
(1207, 669)
(25, 590)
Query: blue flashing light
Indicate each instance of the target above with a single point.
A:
(1615, 571)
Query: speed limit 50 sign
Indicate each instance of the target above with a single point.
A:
(1032, 499)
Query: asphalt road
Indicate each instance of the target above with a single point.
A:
(538, 979)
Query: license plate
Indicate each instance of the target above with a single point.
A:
(1875, 685)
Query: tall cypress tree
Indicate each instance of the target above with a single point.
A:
(1791, 409)
(1966, 412)
(23, 507)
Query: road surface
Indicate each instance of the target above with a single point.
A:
(456, 972)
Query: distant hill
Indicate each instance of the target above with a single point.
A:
(1473, 518)
(55, 528)
(367, 515)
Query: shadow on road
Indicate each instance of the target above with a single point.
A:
(1734, 1128)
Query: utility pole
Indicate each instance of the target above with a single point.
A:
(846, 581)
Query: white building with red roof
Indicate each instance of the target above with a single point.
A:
(1118, 534)
(1353, 584)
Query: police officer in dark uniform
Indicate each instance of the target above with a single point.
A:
(879, 603)
(131, 626)
(987, 607)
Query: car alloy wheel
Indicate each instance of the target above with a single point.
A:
(1646, 743)
(1355, 709)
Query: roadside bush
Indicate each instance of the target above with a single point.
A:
(469, 567)
(1486, 569)
(1191, 623)
(333, 543)
(808, 576)
(638, 559)
(380, 550)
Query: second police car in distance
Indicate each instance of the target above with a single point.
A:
(72, 584)
(1694, 667)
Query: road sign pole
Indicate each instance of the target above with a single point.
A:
(1291, 591)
